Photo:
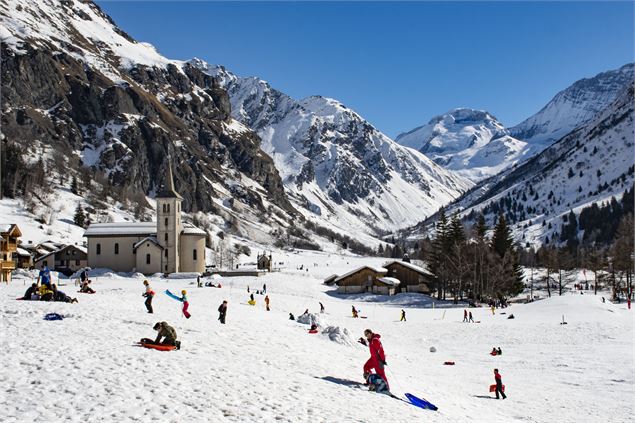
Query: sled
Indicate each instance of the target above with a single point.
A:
(53, 316)
(313, 331)
(449, 363)
(493, 353)
(421, 402)
(159, 347)
(251, 303)
(171, 295)
(492, 388)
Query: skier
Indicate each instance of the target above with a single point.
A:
(403, 315)
(471, 319)
(186, 304)
(222, 312)
(321, 308)
(377, 360)
(499, 384)
(267, 302)
(465, 316)
(355, 314)
(149, 294)
(44, 277)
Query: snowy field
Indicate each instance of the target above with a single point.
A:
(262, 367)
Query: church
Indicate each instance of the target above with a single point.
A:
(165, 246)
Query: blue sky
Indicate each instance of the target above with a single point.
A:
(397, 64)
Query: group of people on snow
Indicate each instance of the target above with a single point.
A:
(467, 316)
(44, 290)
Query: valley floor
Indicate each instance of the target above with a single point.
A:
(262, 367)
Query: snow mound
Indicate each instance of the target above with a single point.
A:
(339, 335)
(312, 318)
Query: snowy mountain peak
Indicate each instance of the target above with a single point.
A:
(573, 107)
(471, 142)
(337, 167)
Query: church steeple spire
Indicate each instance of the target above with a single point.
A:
(168, 190)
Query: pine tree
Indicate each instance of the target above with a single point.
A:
(74, 186)
(440, 250)
(502, 239)
(80, 216)
(480, 229)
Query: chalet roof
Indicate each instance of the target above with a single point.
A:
(332, 277)
(77, 247)
(389, 281)
(168, 190)
(22, 252)
(151, 239)
(352, 272)
(410, 266)
(189, 229)
(121, 228)
(8, 228)
(45, 256)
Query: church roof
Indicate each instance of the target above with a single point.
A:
(151, 239)
(121, 228)
(168, 190)
(189, 229)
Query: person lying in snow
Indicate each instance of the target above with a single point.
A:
(166, 332)
(376, 383)
(46, 294)
(62, 297)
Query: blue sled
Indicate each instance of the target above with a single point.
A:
(171, 295)
(421, 403)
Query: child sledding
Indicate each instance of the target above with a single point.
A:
(165, 340)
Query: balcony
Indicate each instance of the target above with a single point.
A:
(7, 265)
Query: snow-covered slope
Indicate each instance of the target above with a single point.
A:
(572, 107)
(591, 164)
(471, 142)
(336, 165)
(262, 367)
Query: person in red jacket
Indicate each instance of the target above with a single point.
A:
(377, 360)
(499, 384)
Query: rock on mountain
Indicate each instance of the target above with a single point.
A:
(336, 166)
(572, 107)
(76, 84)
(473, 143)
(590, 164)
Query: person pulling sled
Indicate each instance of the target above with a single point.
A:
(377, 360)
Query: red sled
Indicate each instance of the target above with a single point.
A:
(313, 331)
(159, 347)
(492, 388)
(449, 363)
(493, 353)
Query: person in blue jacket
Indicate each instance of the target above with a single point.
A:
(45, 277)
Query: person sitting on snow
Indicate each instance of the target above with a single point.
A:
(291, 316)
(46, 293)
(377, 360)
(499, 351)
(166, 332)
(376, 383)
(30, 292)
(354, 311)
(494, 352)
(86, 287)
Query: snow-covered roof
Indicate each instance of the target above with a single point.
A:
(410, 266)
(22, 252)
(80, 248)
(151, 239)
(45, 256)
(352, 272)
(389, 281)
(121, 228)
(333, 276)
(6, 228)
(189, 229)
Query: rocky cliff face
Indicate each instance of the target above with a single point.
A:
(74, 82)
(335, 164)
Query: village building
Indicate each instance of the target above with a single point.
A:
(165, 246)
(330, 280)
(386, 286)
(23, 258)
(67, 260)
(360, 280)
(9, 235)
(264, 262)
(413, 278)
